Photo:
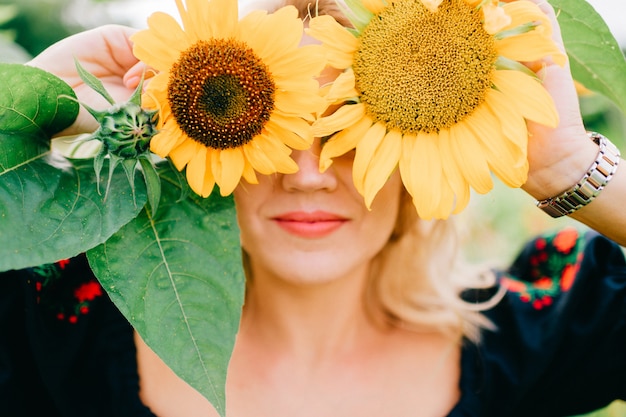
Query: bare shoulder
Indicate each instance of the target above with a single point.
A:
(163, 391)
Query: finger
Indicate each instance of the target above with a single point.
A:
(135, 73)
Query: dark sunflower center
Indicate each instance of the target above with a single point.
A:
(221, 93)
(419, 71)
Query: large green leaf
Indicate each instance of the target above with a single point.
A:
(595, 57)
(34, 105)
(51, 209)
(178, 278)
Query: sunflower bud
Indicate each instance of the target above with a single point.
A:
(126, 130)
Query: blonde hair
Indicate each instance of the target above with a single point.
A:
(417, 278)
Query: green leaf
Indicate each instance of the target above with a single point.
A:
(178, 279)
(595, 57)
(93, 82)
(50, 209)
(34, 105)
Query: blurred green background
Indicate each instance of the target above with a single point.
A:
(493, 228)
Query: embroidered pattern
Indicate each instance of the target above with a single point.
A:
(65, 294)
(554, 263)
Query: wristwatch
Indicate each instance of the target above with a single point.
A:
(595, 179)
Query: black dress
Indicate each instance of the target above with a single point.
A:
(559, 348)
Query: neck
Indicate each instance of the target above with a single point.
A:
(310, 321)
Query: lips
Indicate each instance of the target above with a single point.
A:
(310, 224)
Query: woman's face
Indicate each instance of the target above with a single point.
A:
(312, 227)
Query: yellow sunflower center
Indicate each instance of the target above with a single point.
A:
(221, 93)
(422, 71)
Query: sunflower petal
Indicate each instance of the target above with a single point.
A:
(227, 169)
(347, 115)
(248, 171)
(343, 87)
(153, 47)
(505, 159)
(511, 121)
(294, 132)
(522, 12)
(341, 44)
(530, 97)
(530, 46)
(469, 156)
(364, 152)
(454, 179)
(182, 154)
(272, 45)
(404, 164)
(199, 174)
(166, 140)
(343, 142)
(273, 150)
(258, 159)
(425, 173)
(382, 164)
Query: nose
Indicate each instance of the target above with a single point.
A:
(308, 178)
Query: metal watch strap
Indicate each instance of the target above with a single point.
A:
(590, 185)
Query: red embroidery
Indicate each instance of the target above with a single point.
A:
(565, 240)
(64, 291)
(554, 265)
(88, 291)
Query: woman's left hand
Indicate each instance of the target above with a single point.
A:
(106, 52)
(559, 157)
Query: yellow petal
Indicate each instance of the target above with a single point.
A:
(248, 172)
(345, 116)
(155, 48)
(228, 169)
(294, 132)
(341, 44)
(522, 12)
(528, 95)
(364, 152)
(258, 159)
(182, 154)
(343, 87)
(432, 5)
(505, 159)
(454, 178)
(343, 142)
(470, 157)
(296, 103)
(295, 66)
(167, 139)
(382, 164)
(268, 148)
(404, 164)
(375, 6)
(267, 42)
(529, 47)
(511, 121)
(495, 18)
(425, 173)
(198, 173)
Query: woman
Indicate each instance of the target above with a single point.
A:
(328, 327)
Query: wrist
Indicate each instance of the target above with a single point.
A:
(589, 186)
(560, 166)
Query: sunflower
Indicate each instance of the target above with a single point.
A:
(234, 96)
(437, 88)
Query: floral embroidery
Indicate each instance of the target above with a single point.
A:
(554, 264)
(64, 293)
